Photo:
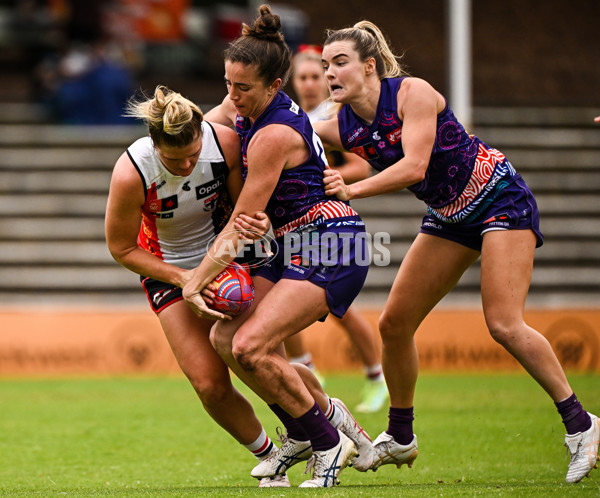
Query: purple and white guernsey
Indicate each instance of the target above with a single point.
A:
(462, 169)
(299, 199)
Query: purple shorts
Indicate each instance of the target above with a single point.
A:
(333, 258)
(510, 206)
(160, 294)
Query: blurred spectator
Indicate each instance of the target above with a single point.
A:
(87, 85)
(85, 80)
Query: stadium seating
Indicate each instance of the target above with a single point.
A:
(54, 183)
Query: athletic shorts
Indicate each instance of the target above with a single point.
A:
(333, 258)
(160, 294)
(510, 206)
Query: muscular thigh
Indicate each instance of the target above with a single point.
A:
(430, 269)
(506, 267)
(287, 308)
(188, 336)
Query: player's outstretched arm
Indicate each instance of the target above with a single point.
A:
(122, 226)
(224, 113)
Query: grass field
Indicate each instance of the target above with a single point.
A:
(479, 435)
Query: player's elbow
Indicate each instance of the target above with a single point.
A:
(119, 254)
(420, 170)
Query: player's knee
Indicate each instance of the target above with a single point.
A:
(501, 330)
(392, 327)
(212, 392)
(221, 342)
(247, 353)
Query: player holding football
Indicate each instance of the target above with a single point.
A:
(477, 205)
(171, 192)
(308, 82)
(283, 164)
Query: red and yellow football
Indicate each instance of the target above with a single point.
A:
(234, 290)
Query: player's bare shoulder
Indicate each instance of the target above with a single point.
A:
(415, 87)
(229, 141)
(292, 148)
(124, 172)
(126, 186)
(226, 135)
(417, 91)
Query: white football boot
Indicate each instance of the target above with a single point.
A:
(290, 453)
(327, 464)
(583, 450)
(351, 428)
(388, 451)
(277, 481)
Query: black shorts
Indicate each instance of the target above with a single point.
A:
(160, 294)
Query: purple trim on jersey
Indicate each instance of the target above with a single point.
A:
(452, 159)
(510, 206)
(300, 188)
(342, 279)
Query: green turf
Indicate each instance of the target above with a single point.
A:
(483, 435)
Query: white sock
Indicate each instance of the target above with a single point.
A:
(375, 373)
(334, 414)
(262, 446)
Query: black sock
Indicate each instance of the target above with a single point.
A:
(575, 418)
(322, 435)
(400, 424)
(293, 429)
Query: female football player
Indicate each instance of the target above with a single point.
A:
(310, 87)
(477, 206)
(171, 192)
(283, 164)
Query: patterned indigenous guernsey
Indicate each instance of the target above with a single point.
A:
(333, 249)
(462, 169)
(182, 214)
(299, 199)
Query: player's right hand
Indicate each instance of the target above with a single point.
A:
(335, 185)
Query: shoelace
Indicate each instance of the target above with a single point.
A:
(569, 454)
(386, 446)
(310, 464)
(281, 436)
(319, 469)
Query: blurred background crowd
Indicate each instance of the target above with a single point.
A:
(536, 91)
(83, 58)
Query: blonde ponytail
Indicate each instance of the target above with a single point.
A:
(171, 118)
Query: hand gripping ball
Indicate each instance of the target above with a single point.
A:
(234, 290)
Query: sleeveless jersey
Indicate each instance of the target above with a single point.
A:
(462, 169)
(299, 199)
(182, 215)
(324, 111)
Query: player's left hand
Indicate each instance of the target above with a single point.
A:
(196, 301)
(335, 185)
(252, 228)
